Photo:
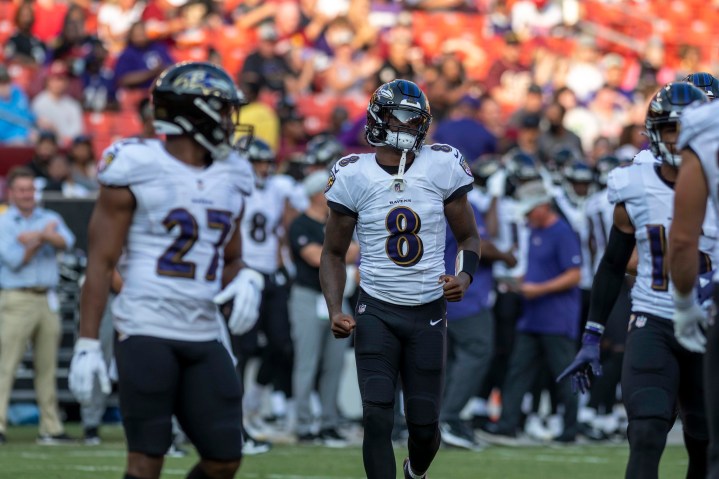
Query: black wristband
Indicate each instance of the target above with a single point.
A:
(466, 262)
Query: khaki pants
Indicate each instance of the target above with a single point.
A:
(26, 316)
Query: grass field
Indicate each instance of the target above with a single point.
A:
(20, 458)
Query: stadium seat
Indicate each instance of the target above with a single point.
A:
(11, 156)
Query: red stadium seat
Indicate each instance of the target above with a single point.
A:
(11, 156)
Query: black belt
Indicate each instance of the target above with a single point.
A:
(33, 290)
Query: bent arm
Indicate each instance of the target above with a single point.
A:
(461, 220)
(690, 200)
(338, 236)
(107, 231)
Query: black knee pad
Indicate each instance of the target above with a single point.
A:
(648, 403)
(647, 434)
(422, 411)
(378, 420)
(423, 433)
(378, 391)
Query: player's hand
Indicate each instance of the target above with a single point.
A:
(87, 370)
(531, 290)
(342, 325)
(454, 286)
(690, 321)
(246, 292)
(586, 361)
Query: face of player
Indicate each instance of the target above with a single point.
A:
(581, 189)
(262, 168)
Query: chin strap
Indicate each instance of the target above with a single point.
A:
(398, 183)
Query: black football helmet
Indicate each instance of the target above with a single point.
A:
(398, 115)
(706, 82)
(665, 109)
(578, 181)
(259, 151)
(521, 168)
(200, 100)
(604, 165)
(484, 167)
(558, 159)
(323, 150)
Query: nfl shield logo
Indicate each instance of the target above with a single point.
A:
(641, 321)
(361, 308)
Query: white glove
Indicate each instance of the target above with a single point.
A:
(246, 289)
(688, 320)
(497, 183)
(86, 368)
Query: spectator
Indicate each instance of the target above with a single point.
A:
(98, 80)
(532, 105)
(613, 69)
(55, 110)
(60, 179)
(115, 19)
(549, 325)
(584, 76)
(528, 135)
(401, 57)
(23, 47)
(16, 118)
(653, 70)
(490, 115)
(609, 109)
(446, 84)
(82, 163)
(261, 116)
(46, 149)
(632, 140)
(508, 80)
(30, 238)
(141, 61)
(462, 130)
(317, 352)
(349, 66)
(49, 17)
(144, 112)
(532, 18)
(554, 135)
(264, 66)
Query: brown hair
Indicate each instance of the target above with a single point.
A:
(19, 172)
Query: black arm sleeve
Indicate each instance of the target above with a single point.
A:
(610, 274)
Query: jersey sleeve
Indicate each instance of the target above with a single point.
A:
(126, 163)
(338, 191)
(619, 185)
(697, 120)
(243, 176)
(457, 178)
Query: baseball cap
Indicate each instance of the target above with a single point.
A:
(531, 195)
(530, 120)
(315, 183)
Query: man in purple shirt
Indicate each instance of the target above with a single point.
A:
(548, 328)
(465, 132)
(470, 337)
(141, 61)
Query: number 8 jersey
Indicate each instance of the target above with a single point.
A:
(649, 201)
(174, 252)
(401, 233)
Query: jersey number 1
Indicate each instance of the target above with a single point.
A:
(403, 245)
(171, 263)
(658, 249)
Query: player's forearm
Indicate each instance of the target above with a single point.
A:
(93, 299)
(333, 276)
(683, 263)
(471, 243)
(567, 280)
(231, 270)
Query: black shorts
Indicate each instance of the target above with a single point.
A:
(660, 377)
(406, 340)
(195, 381)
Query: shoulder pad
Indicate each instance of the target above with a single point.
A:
(624, 182)
(128, 161)
(241, 171)
(697, 119)
(645, 156)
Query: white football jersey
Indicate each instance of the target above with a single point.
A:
(512, 235)
(401, 233)
(577, 219)
(480, 199)
(600, 218)
(262, 222)
(173, 259)
(649, 201)
(700, 132)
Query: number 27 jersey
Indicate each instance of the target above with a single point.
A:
(649, 201)
(174, 252)
(401, 233)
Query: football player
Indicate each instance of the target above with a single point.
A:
(698, 180)
(655, 364)
(174, 207)
(264, 222)
(706, 82)
(398, 199)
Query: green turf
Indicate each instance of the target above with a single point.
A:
(20, 458)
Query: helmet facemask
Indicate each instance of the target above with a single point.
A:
(402, 127)
(663, 137)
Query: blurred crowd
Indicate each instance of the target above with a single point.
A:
(518, 87)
